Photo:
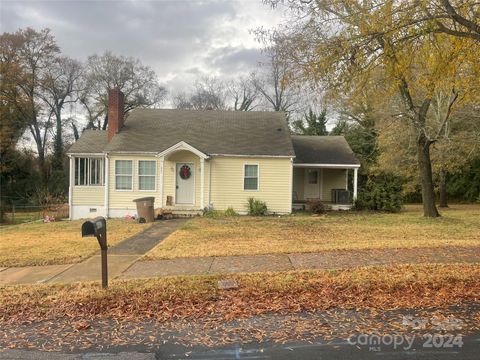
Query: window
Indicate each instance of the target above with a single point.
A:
(250, 178)
(146, 174)
(123, 175)
(89, 171)
(313, 176)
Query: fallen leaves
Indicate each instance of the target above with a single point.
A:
(82, 325)
(168, 299)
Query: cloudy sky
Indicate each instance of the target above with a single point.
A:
(179, 39)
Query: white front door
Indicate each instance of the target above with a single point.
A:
(185, 183)
(312, 184)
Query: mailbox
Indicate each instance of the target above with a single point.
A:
(98, 228)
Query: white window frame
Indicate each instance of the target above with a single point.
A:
(251, 177)
(131, 175)
(86, 175)
(154, 176)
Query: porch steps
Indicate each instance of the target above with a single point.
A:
(186, 213)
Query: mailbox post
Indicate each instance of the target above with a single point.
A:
(98, 227)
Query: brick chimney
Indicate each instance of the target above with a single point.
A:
(115, 112)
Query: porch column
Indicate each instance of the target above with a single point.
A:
(70, 185)
(355, 180)
(106, 186)
(160, 185)
(202, 183)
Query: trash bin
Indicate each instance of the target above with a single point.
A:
(145, 209)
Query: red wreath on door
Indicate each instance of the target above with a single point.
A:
(185, 172)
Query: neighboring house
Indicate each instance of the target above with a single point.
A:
(188, 160)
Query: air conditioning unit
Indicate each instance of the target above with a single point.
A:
(340, 196)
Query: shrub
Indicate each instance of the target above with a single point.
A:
(256, 207)
(317, 207)
(210, 212)
(230, 212)
(382, 192)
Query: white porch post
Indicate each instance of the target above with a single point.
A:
(202, 182)
(355, 180)
(162, 168)
(70, 187)
(106, 185)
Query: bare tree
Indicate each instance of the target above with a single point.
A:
(244, 94)
(138, 82)
(274, 82)
(60, 86)
(208, 93)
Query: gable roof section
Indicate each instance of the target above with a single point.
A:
(328, 150)
(90, 142)
(211, 132)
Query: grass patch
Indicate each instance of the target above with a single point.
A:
(243, 235)
(56, 242)
(166, 299)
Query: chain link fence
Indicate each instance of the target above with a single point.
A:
(12, 214)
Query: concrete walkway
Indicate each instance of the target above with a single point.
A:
(125, 261)
(120, 257)
(300, 261)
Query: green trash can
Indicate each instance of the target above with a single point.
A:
(145, 209)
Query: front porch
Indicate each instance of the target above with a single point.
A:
(184, 180)
(326, 183)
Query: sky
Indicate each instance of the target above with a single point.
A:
(181, 40)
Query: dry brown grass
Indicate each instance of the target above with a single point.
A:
(459, 226)
(56, 242)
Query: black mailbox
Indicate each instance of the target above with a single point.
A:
(98, 227)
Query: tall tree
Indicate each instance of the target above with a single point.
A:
(312, 123)
(274, 81)
(34, 53)
(14, 104)
(244, 94)
(138, 82)
(343, 43)
(60, 86)
(208, 93)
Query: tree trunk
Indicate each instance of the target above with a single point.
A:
(443, 189)
(425, 168)
(76, 136)
(58, 146)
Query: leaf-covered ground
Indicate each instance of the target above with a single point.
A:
(77, 315)
(242, 235)
(57, 242)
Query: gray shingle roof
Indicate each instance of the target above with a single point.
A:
(212, 132)
(91, 141)
(323, 150)
(217, 132)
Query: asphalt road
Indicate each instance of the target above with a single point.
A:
(340, 350)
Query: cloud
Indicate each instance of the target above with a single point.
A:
(178, 39)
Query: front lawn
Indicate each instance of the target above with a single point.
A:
(56, 242)
(242, 235)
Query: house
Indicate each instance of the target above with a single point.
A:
(188, 160)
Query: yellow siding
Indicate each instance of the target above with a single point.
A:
(88, 195)
(332, 179)
(275, 183)
(123, 199)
